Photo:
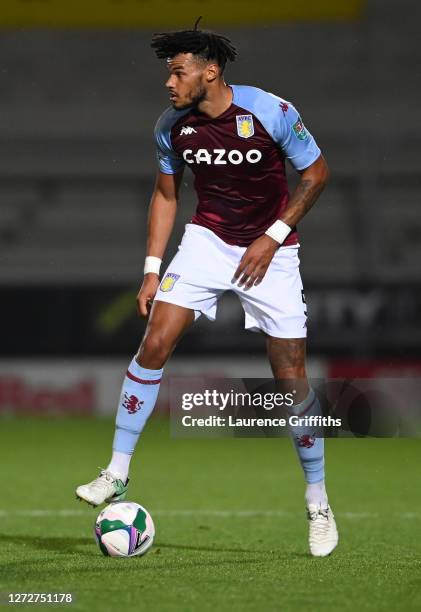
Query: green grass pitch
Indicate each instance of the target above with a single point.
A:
(229, 514)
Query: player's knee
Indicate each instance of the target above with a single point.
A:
(154, 350)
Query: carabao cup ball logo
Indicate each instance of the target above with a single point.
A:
(245, 126)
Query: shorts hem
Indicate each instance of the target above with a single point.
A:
(286, 336)
(188, 306)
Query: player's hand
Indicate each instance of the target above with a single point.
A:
(255, 261)
(147, 293)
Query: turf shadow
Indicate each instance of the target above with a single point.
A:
(74, 545)
(20, 570)
(60, 545)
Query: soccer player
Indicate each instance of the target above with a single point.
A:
(243, 237)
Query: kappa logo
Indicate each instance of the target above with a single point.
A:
(186, 130)
(284, 106)
(132, 403)
(306, 441)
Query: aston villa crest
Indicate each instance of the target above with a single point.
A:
(245, 127)
(132, 403)
(169, 281)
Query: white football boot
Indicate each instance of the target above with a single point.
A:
(323, 534)
(106, 488)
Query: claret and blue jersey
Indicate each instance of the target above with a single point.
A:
(238, 160)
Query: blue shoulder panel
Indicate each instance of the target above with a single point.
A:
(282, 122)
(169, 162)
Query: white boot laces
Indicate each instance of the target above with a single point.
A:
(319, 521)
(103, 481)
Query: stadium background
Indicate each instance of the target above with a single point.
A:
(80, 93)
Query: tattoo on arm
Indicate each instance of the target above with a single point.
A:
(302, 200)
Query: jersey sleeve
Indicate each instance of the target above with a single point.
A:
(294, 139)
(168, 160)
(282, 122)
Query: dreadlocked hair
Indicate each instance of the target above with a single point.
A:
(202, 43)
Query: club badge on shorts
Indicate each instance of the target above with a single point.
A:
(245, 126)
(169, 281)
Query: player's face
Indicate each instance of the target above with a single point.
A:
(186, 83)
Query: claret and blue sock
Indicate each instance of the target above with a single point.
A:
(309, 444)
(137, 401)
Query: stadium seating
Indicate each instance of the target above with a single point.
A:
(76, 124)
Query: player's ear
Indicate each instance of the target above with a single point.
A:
(212, 72)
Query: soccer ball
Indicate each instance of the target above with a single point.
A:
(124, 529)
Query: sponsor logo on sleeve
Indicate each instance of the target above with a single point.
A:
(245, 126)
(300, 130)
(169, 281)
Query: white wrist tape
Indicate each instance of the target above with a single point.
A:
(278, 231)
(152, 264)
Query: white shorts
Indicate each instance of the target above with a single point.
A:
(203, 269)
